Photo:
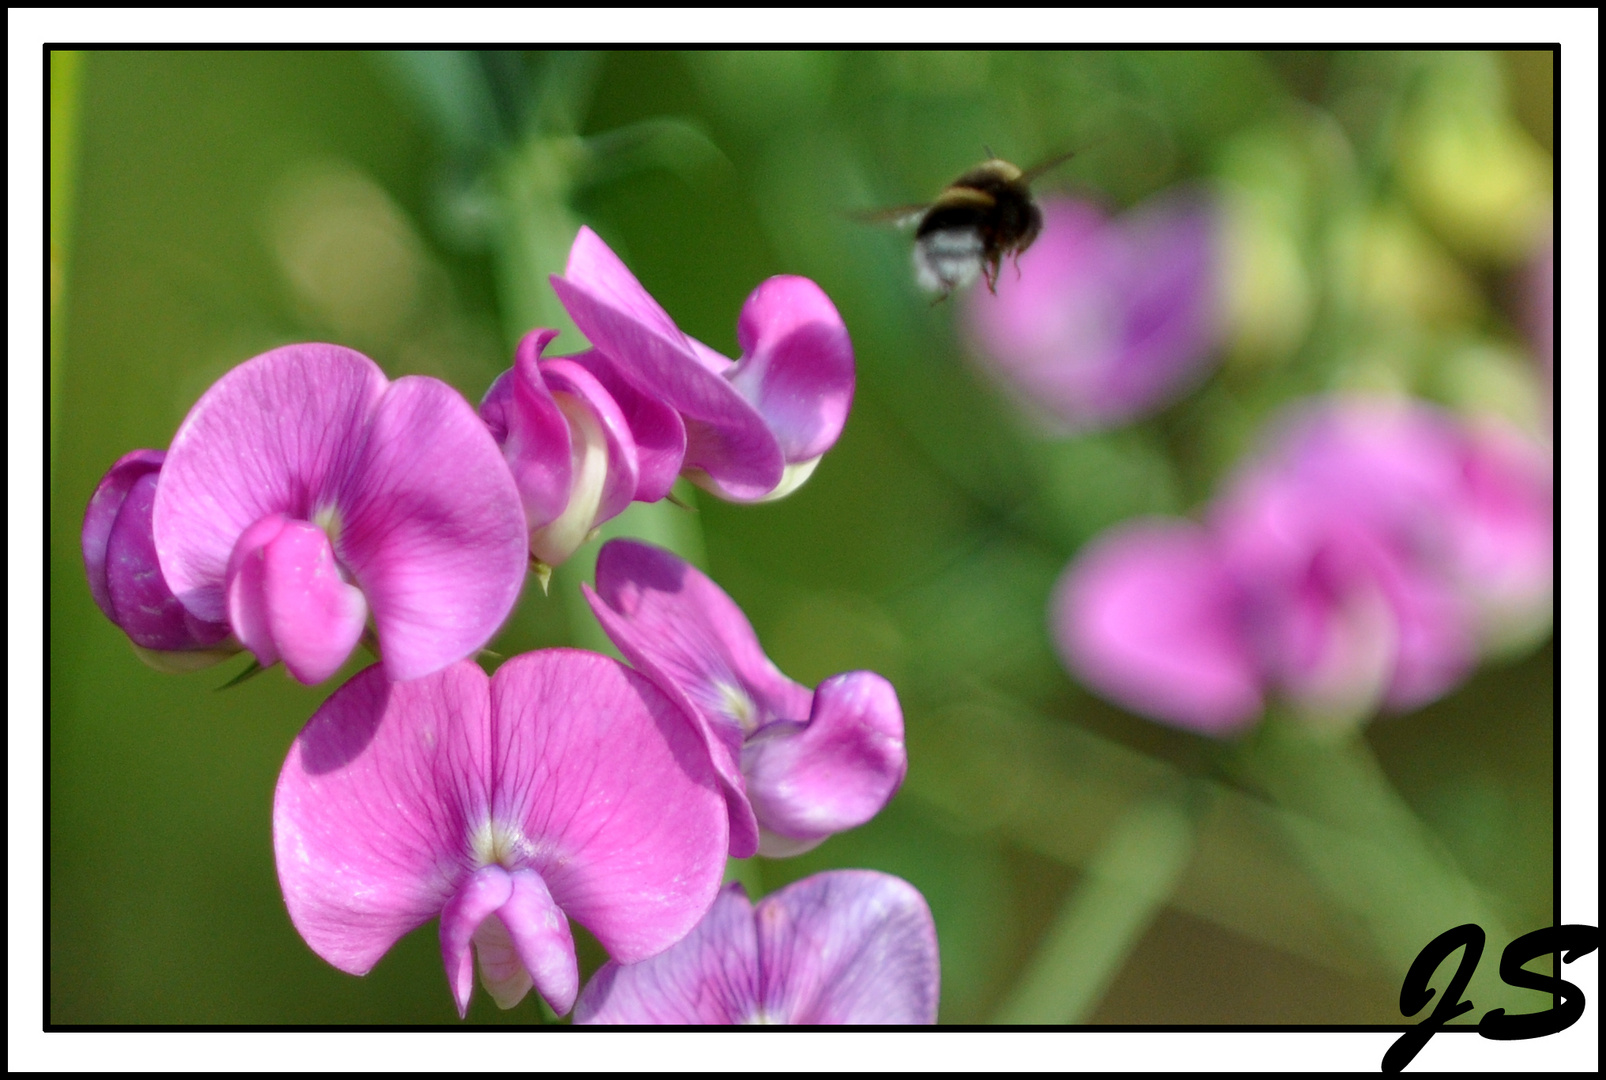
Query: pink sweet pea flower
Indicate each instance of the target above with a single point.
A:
(571, 449)
(126, 580)
(566, 786)
(841, 947)
(755, 427)
(796, 766)
(1149, 617)
(1107, 320)
(1362, 561)
(305, 491)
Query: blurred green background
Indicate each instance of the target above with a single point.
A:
(209, 206)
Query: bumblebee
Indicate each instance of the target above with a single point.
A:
(984, 215)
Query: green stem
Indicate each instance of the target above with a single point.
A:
(1125, 886)
(1372, 856)
(535, 184)
(66, 78)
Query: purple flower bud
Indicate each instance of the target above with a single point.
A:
(565, 786)
(756, 427)
(125, 577)
(1107, 320)
(841, 947)
(796, 766)
(305, 492)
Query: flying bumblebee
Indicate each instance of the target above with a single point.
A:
(984, 215)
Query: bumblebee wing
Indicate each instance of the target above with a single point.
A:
(1045, 166)
(897, 217)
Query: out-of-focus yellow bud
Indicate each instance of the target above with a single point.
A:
(1393, 271)
(1480, 179)
(1275, 178)
(1482, 377)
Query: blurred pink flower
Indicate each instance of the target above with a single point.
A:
(565, 786)
(1362, 560)
(1107, 320)
(841, 947)
(797, 765)
(305, 490)
(755, 427)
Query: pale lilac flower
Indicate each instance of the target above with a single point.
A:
(1363, 560)
(797, 766)
(126, 580)
(1107, 320)
(755, 427)
(305, 492)
(841, 947)
(566, 786)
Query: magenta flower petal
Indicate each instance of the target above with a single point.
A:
(532, 431)
(1345, 530)
(841, 947)
(433, 531)
(374, 813)
(567, 786)
(289, 600)
(542, 942)
(848, 947)
(656, 429)
(711, 976)
(1149, 616)
(1503, 545)
(621, 790)
(796, 366)
(837, 771)
(729, 446)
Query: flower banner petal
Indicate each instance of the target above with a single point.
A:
(609, 784)
(711, 976)
(435, 533)
(272, 436)
(727, 438)
(374, 808)
(848, 947)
